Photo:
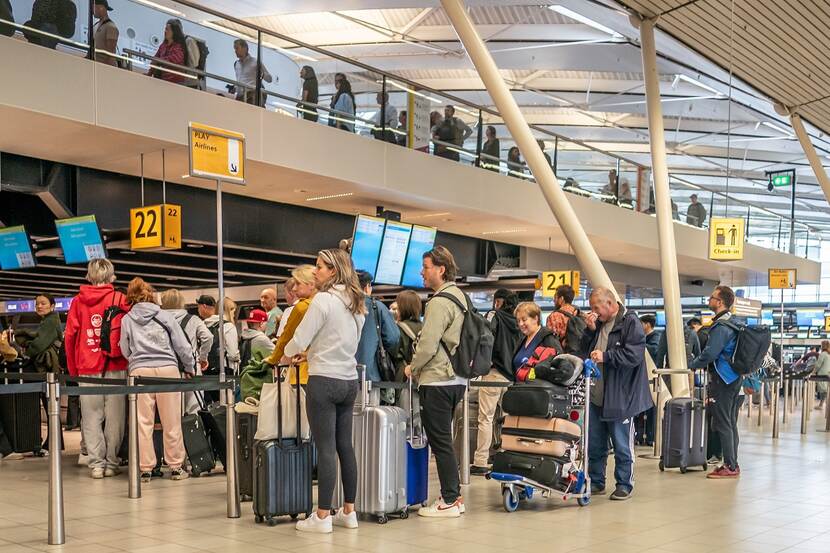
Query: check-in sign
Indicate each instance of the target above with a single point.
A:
(551, 280)
(156, 227)
(216, 153)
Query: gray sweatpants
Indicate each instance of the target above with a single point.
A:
(329, 404)
(108, 411)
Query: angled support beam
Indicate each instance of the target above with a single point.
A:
(810, 152)
(415, 21)
(662, 199)
(556, 198)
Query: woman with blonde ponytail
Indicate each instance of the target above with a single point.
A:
(329, 333)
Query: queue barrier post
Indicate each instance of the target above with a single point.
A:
(465, 437)
(231, 470)
(57, 528)
(761, 402)
(133, 471)
(775, 402)
(805, 405)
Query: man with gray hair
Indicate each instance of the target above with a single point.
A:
(616, 342)
(91, 338)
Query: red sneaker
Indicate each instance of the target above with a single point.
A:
(723, 472)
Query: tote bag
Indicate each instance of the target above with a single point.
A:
(278, 396)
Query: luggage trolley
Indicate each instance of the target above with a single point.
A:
(577, 485)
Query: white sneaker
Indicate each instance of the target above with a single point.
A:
(97, 473)
(11, 457)
(439, 509)
(109, 472)
(179, 474)
(315, 525)
(344, 520)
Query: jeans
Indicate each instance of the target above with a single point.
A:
(488, 400)
(723, 403)
(102, 424)
(437, 410)
(621, 434)
(329, 405)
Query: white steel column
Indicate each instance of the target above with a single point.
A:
(587, 257)
(662, 200)
(810, 152)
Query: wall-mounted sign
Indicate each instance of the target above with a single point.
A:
(156, 227)
(726, 239)
(216, 153)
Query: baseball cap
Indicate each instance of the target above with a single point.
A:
(204, 299)
(257, 316)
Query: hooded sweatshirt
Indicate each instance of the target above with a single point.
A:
(146, 336)
(82, 336)
(197, 333)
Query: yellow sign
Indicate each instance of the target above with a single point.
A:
(726, 239)
(551, 280)
(216, 153)
(827, 323)
(156, 227)
(782, 279)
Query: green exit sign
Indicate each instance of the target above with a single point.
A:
(784, 179)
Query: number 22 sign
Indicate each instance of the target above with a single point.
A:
(156, 227)
(551, 280)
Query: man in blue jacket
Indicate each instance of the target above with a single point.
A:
(724, 382)
(379, 331)
(617, 344)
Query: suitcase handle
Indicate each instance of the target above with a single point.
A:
(530, 441)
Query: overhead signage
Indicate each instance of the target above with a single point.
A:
(782, 179)
(419, 131)
(726, 239)
(551, 280)
(15, 249)
(827, 323)
(745, 307)
(80, 239)
(156, 227)
(216, 153)
(782, 279)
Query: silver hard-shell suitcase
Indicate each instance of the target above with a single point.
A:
(379, 439)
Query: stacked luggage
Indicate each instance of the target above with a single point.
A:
(539, 442)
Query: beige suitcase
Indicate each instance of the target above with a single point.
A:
(539, 436)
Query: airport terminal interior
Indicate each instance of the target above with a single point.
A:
(632, 195)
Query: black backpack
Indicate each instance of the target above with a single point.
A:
(752, 345)
(474, 354)
(213, 357)
(245, 353)
(573, 334)
(107, 322)
(201, 63)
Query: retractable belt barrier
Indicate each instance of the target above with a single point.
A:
(8, 389)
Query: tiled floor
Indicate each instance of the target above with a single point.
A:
(781, 503)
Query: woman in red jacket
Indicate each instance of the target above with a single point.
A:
(172, 50)
(87, 356)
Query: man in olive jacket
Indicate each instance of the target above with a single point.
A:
(439, 388)
(617, 343)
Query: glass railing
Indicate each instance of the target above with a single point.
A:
(184, 43)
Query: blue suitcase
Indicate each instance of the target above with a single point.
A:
(417, 456)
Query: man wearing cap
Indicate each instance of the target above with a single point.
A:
(253, 340)
(268, 301)
(206, 305)
(106, 34)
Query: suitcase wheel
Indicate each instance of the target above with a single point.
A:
(509, 500)
(705, 467)
(383, 519)
(258, 519)
(661, 466)
(271, 522)
(404, 514)
(195, 472)
(586, 497)
(683, 469)
(294, 516)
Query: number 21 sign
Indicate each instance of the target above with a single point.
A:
(551, 280)
(156, 227)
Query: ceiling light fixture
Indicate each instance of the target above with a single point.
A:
(585, 21)
(507, 231)
(153, 5)
(329, 197)
(415, 92)
(695, 82)
(782, 130)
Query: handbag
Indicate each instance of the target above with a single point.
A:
(386, 368)
(278, 397)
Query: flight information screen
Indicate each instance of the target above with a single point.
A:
(366, 242)
(393, 253)
(15, 249)
(422, 240)
(80, 239)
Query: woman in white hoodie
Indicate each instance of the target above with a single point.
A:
(155, 346)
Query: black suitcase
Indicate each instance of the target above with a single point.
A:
(537, 398)
(684, 435)
(545, 470)
(197, 445)
(245, 431)
(215, 418)
(20, 415)
(282, 474)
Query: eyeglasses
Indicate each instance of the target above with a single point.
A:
(714, 298)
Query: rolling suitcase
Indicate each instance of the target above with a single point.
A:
(282, 473)
(684, 435)
(196, 444)
(417, 459)
(20, 415)
(214, 418)
(245, 430)
(552, 437)
(537, 398)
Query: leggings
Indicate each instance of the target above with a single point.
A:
(329, 406)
